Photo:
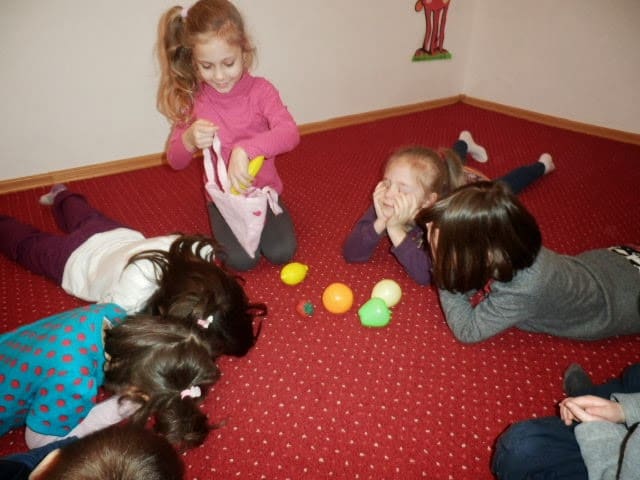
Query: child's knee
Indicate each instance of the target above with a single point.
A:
(281, 252)
(515, 448)
(239, 260)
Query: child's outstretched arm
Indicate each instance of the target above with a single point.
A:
(365, 236)
(497, 312)
(103, 414)
(415, 259)
(363, 239)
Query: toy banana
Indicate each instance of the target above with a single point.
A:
(254, 167)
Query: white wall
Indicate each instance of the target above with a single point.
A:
(79, 78)
(575, 59)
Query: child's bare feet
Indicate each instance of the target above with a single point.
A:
(547, 160)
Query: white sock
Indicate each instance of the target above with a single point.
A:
(477, 152)
(48, 198)
(547, 160)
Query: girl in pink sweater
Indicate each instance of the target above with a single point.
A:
(206, 90)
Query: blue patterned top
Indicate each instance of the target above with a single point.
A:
(50, 370)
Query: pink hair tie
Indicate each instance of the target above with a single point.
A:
(184, 12)
(205, 322)
(191, 392)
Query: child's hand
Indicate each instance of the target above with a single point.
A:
(239, 169)
(405, 208)
(380, 223)
(589, 408)
(199, 135)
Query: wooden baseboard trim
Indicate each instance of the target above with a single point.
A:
(374, 115)
(549, 120)
(157, 159)
(80, 173)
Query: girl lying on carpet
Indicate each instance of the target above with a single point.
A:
(205, 90)
(415, 178)
(100, 260)
(157, 367)
(493, 273)
(123, 452)
(595, 437)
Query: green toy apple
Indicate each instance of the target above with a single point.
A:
(375, 313)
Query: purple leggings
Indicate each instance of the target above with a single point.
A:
(47, 253)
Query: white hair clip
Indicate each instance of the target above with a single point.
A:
(184, 12)
(191, 392)
(205, 322)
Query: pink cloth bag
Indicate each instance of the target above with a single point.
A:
(244, 213)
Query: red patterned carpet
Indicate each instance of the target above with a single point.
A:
(325, 397)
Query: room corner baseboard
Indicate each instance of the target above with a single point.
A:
(80, 173)
(157, 159)
(374, 115)
(609, 133)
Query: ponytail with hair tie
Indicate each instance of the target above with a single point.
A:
(191, 392)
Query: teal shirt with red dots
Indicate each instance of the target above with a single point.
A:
(50, 370)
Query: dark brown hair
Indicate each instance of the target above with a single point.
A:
(122, 452)
(192, 285)
(153, 360)
(483, 233)
(177, 35)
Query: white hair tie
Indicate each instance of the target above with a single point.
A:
(205, 322)
(191, 392)
(184, 12)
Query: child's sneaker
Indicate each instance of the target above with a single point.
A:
(48, 198)
(477, 152)
(576, 381)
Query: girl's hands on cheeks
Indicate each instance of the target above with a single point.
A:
(238, 169)
(199, 135)
(589, 408)
(405, 208)
(380, 223)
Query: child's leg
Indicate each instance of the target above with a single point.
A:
(47, 254)
(233, 254)
(538, 448)
(578, 382)
(522, 177)
(72, 212)
(278, 242)
(477, 152)
(460, 147)
(42, 253)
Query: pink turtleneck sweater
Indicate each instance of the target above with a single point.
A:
(252, 116)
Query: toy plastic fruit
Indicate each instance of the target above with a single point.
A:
(375, 313)
(293, 273)
(253, 168)
(305, 308)
(387, 290)
(337, 298)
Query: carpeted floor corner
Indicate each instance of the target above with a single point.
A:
(324, 397)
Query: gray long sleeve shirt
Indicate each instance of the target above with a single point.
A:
(610, 450)
(589, 296)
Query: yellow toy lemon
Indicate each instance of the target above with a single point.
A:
(337, 298)
(293, 273)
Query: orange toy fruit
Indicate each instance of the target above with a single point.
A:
(337, 298)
